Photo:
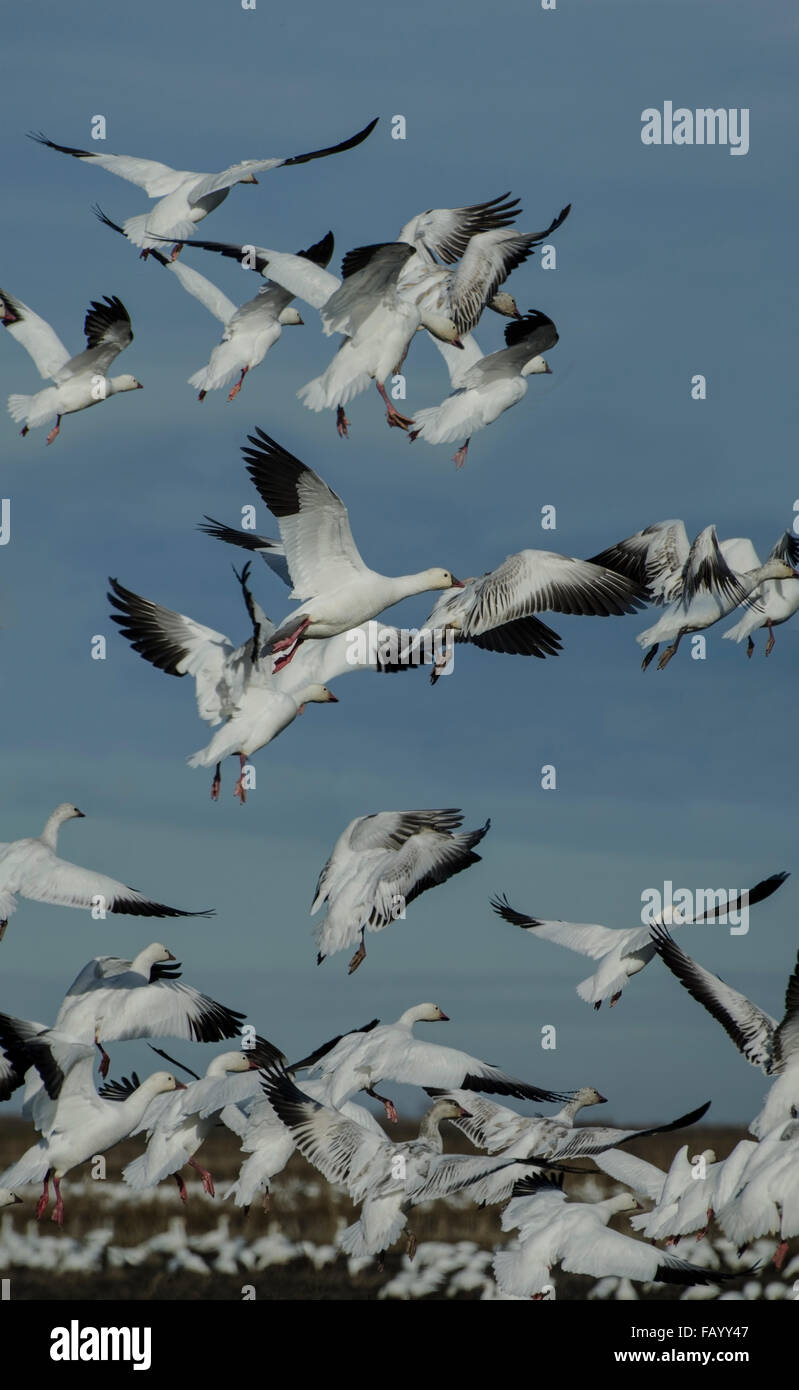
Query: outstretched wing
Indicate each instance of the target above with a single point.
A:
(35, 335)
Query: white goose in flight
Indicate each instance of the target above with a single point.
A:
(766, 1043)
(379, 864)
(499, 1130)
(112, 999)
(483, 388)
(175, 1127)
(80, 1123)
(249, 330)
(184, 198)
(623, 952)
(496, 611)
(339, 591)
(698, 583)
(359, 1060)
(771, 603)
(382, 1176)
(236, 688)
(80, 381)
(31, 869)
(575, 1235)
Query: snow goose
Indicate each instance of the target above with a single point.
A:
(771, 603)
(269, 1145)
(184, 198)
(112, 999)
(32, 869)
(764, 1201)
(359, 1060)
(379, 864)
(486, 253)
(326, 568)
(682, 1196)
(82, 1123)
(765, 1043)
(575, 1235)
(389, 290)
(382, 1176)
(232, 684)
(377, 317)
(249, 331)
(623, 951)
(176, 1129)
(699, 583)
(498, 1129)
(495, 611)
(489, 385)
(80, 381)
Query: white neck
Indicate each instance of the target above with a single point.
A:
(49, 835)
(429, 1131)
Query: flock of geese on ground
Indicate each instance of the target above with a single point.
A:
(443, 270)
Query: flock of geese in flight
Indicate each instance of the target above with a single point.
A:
(443, 270)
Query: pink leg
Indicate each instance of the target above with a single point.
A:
(780, 1253)
(58, 1214)
(293, 639)
(25, 429)
(235, 391)
(598, 1004)
(770, 642)
(238, 790)
(144, 254)
(360, 955)
(217, 783)
(459, 458)
(669, 652)
(202, 395)
(41, 1205)
(750, 646)
(105, 1060)
(184, 1196)
(54, 431)
(614, 998)
(3, 925)
(176, 250)
(391, 1109)
(342, 423)
(393, 417)
(208, 1182)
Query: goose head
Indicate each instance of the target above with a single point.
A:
(158, 1082)
(777, 569)
(437, 578)
(424, 1013)
(125, 382)
(314, 694)
(231, 1061)
(504, 303)
(66, 811)
(623, 1201)
(589, 1095)
(8, 1198)
(447, 1110)
(154, 954)
(441, 326)
(289, 317)
(536, 366)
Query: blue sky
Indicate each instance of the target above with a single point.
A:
(674, 261)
